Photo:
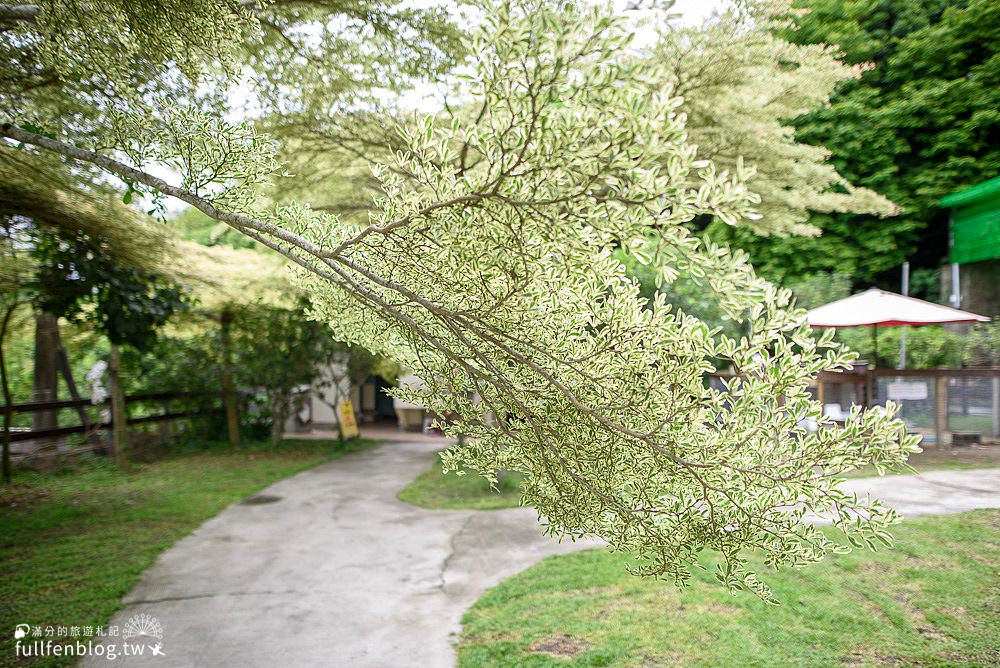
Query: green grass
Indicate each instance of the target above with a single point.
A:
(956, 421)
(934, 600)
(960, 458)
(448, 491)
(440, 491)
(75, 542)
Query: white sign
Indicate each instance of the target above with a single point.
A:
(902, 390)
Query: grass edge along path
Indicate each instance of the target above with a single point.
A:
(933, 600)
(435, 490)
(74, 542)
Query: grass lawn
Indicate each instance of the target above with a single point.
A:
(934, 600)
(437, 490)
(74, 542)
(959, 458)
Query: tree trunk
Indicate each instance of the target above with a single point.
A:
(279, 415)
(46, 379)
(228, 393)
(8, 400)
(67, 373)
(119, 416)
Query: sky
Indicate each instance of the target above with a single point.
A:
(427, 98)
(694, 11)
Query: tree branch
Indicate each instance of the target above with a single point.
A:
(19, 13)
(126, 171)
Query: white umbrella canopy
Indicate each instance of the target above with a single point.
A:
(878, 308)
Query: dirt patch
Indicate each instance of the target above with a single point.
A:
(920, 622)
(875, 659)
(873, 608)
(560, 645)
(958, 612)
(671, 660)
(21, 495)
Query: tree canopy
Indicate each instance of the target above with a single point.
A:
(920, 122)
(488, 266)
(741, 81)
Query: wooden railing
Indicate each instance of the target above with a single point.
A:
(43, 406)
(864, 379)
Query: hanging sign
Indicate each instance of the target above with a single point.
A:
(902, 390)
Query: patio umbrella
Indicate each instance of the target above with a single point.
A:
(878, 308)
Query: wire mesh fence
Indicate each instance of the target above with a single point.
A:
(946, 406)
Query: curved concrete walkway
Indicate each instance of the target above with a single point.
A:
(337, 572)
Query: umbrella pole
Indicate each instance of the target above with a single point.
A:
(872, 381)
(875, 345)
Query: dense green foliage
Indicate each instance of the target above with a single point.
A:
(75, 279)
(276, 352)
(930, 602)
(921, 122)
(78, 539)
(741, 81)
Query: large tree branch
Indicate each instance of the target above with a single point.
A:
(19, 13)
(126, 171)
(340, 267)
(27, 13)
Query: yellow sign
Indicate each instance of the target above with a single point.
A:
(348, 425)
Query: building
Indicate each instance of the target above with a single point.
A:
(974, 248)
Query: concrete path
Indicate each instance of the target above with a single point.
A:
(337, 572)
(933, 493)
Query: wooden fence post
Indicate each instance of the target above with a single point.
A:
(995, 406)
(165, 431)
(870, 386)
(940, 409)
(46, 370)
(119, 416)
(228, 394)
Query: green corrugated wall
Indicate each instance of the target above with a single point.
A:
(975, 222)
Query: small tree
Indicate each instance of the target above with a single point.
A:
(345, 366)
(280, 351)
(74, 279)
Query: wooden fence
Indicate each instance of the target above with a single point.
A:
(85, 427)
(862, 383)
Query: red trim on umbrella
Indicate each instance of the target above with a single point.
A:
(895, 323)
